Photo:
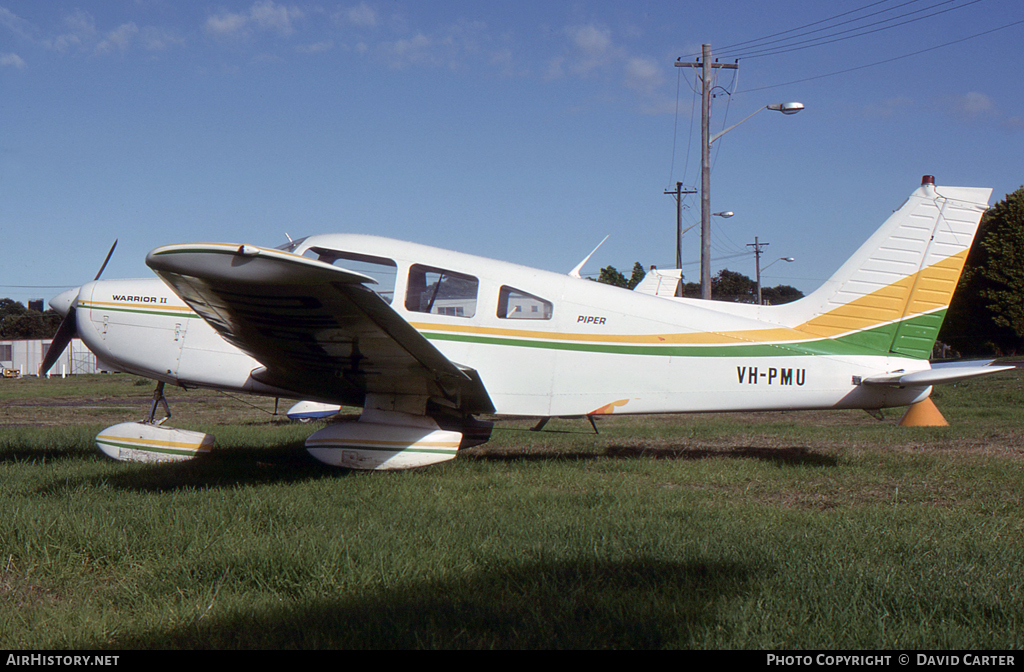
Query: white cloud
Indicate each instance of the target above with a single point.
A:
(316, 47)
(120, 38)
(80, 35)
(361, 15)
(226, 24)
(590, 39)
(1013, 124)
(264, 15)
(158, 39)
(15, 23)
(80, 23)
(453, 46)
(80, 30)
(414, 50)
(643, 74)
(590, 49)
(270, 16)
(973, 104)
(12, 60)
(555, 69)
(980, 108)
(593, 52)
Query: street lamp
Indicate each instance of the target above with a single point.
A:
(705, 179)
(759, 269)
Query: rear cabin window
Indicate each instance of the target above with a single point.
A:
(441, 292)
(381, 269)
(515, 304)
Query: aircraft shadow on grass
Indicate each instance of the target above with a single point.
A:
(289, 463)
(585, 604)
(780, 456)
(231, 467)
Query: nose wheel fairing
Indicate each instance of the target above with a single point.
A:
(150, 441)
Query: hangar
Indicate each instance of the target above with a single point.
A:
(25, 356)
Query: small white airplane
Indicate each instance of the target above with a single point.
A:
(424, 339)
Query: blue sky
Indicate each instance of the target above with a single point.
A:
(525, 131)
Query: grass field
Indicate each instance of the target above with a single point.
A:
(766, 531)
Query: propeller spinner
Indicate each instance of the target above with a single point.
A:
(66, 302)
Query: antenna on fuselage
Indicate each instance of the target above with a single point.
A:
(576, 271)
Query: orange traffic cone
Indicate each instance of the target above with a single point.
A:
(923, 414)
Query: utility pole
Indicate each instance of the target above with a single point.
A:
(757, 264)
(707, 83)
(678, 193)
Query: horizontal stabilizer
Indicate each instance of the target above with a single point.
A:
(660, 283)
(937, 375)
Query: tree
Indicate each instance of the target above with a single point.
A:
(637, 276)
(732, 286)
(611, 276)
(17, 322)
(986, 315)
(773, 296)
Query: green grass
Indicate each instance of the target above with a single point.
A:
(766, 531)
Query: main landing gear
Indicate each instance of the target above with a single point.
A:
(158, 400)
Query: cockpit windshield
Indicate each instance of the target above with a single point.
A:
(381, 269)
(291, 245)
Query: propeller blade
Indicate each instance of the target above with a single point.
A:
(65, 332)
(68, 326)
(106, 260)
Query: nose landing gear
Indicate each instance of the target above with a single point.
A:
(150, 441)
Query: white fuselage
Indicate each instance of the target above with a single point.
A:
(543, 344)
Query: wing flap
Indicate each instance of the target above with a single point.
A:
(318, 329)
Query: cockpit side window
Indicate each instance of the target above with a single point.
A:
(441, 292)
(381, 269)
(515, 304)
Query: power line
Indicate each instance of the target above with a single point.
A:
(886, 60)
(675, 129)
(832, 38)
(807, 25)
(815, 23)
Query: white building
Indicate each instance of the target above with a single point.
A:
(26, 357)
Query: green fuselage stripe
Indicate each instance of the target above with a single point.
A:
(867, 342)
(875, 341)
(183, 314)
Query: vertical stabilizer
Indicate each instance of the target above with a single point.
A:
(892, 294)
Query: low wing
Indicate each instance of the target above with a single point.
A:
(938, 374)
(318, 330)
